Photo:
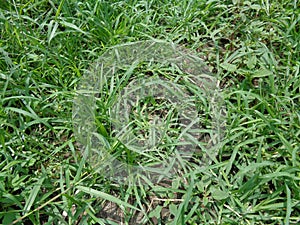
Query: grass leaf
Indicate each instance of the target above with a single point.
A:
(105, 196)
(33, 194)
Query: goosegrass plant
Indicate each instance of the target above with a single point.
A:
(251, 47)
(156, 121)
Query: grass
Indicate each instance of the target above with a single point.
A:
(252, 48)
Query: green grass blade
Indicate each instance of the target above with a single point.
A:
(105, 196)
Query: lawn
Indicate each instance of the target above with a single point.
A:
(249, 49)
